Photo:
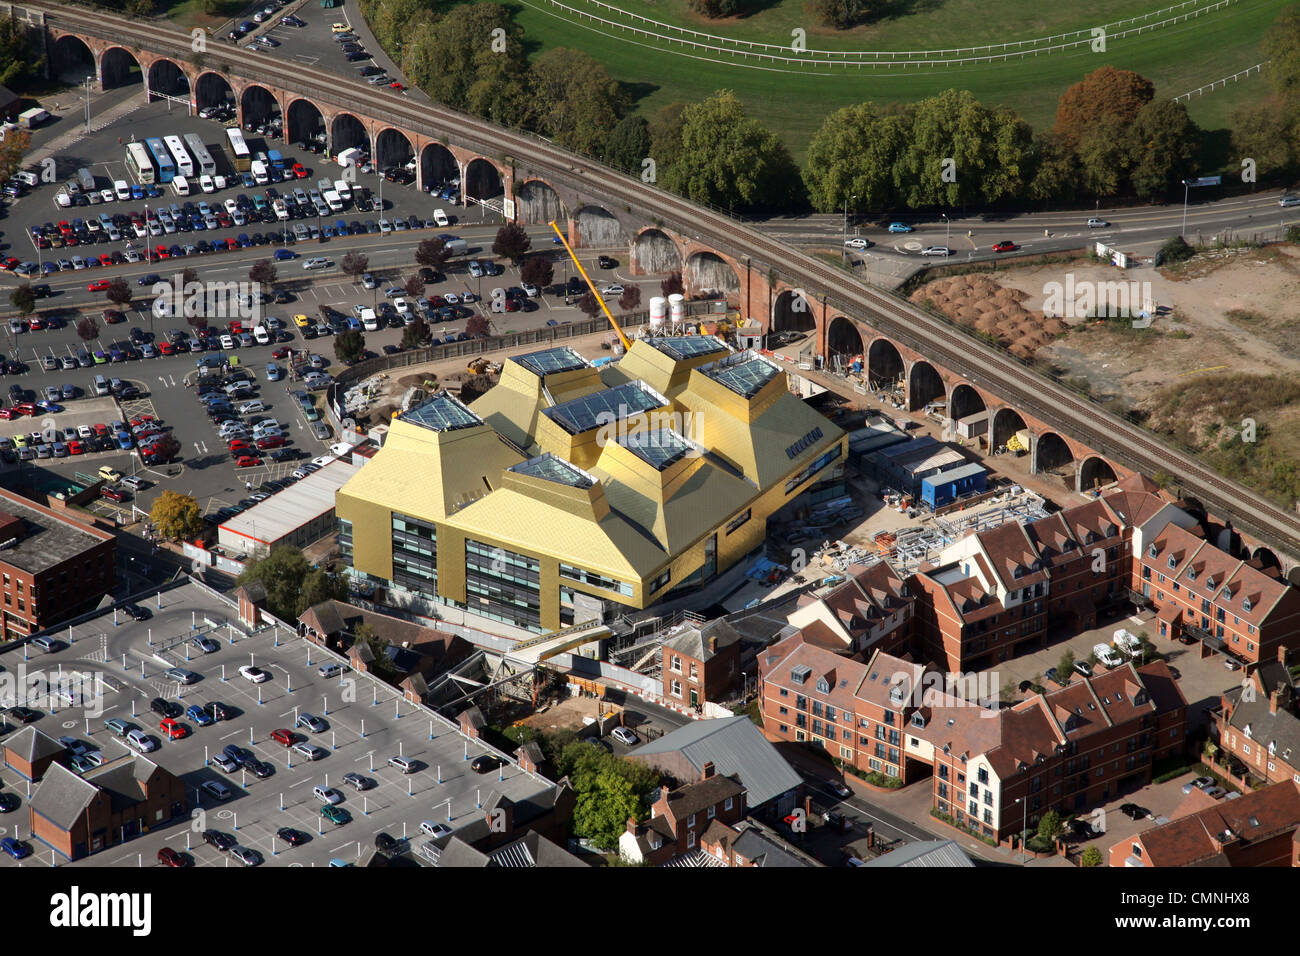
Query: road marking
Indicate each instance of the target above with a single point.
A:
(233, 733)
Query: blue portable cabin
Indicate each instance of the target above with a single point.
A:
(947, 486)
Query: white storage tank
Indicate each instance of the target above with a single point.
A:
(677, 308)
(658, 312)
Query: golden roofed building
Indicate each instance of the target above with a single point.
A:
(568, 490)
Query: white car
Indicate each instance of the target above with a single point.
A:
(206, 184)
(612, 289)
(530, 290)
(316, 263)
(625, 736)
(434, 829)
(1095, 223)
(1106, 654)
(936, 251)
(402, 306)
(328, 795)
(1289, 201)
(232, 207)
(857, 242)
(254, 674)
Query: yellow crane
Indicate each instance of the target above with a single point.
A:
(627, 343)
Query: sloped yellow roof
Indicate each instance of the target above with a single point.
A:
(516, 520)
(429, 474)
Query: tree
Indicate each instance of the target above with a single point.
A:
(961, 152)
(23, 299)
(628, 144)
(1262, 130)
(176, 516)
(354, 264)
(477, 326)
(414, 286)
(1050, 826)
(1175, 249)
(538, 270)
(415, 334)
(1104, 157)
(1091, 857)
(588, 304)
(19, 61)
(13, 147)
(512, 242)
(574, 100)
(167, 447)
(462, 52)
(87, 328)
(630, 299)
(382, 664)
(843, 14)
(1281, 48)
(1053, 169)
(1064, 666)
(292, 584)
(672, 284)
(432, 253)
(666, 132)
(262, 272)
(730, 160)
(348, 346)
(118, 292)
(714, 9)
(1163, 146)
(1105, 93)
(852, 157)
(600, 814)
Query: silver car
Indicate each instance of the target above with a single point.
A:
(180, 675)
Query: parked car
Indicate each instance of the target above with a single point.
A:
(1200, 783)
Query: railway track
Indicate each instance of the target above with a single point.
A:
(939, 340)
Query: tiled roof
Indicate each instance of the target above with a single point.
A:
(62, 796)
(1200, 837)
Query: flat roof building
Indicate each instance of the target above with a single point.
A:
(568, 490)
(297, 516)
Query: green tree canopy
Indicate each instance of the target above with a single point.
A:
(18, 58)
(575, 100)
(628, 144)
(1163, 146)
(23, 299)
(462, 50)
(176, 516)
(292, 584)
(853, 155)
(665, 130)
(348, 346)
(1281, 48)
(1263, 131)
(730, 160)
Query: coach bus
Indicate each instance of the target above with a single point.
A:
(203, 162)
(240, 158)
(139, 163)
(184, 165)
(162, 160)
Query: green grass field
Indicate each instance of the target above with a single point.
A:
(1177, 58)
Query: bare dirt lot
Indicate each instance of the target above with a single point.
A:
(1221, 354)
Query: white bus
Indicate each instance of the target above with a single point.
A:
(184, 165)
(139, 163)
(240, 157)
(203, 162)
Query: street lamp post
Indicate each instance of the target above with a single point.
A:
(947, 228)
(1024, 825)
(844, 247)
(1186, 189)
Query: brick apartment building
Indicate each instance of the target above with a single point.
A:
(871, 610)
(853, 710)
(1069, 750)
(1255, 724)
(1203, 592)
(51, 567)
(1260, 829)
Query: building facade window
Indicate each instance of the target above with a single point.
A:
(503, 585)
(595, 580)
(415, 553)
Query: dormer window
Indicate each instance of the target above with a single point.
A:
(1153, 550)
(1246, 605)
(1209, 582)
(801, 673)
(1173, 562)
(822, 686)
(1246, 730)
(1092, 536)
(1019, 571)
(1191, 574)
(1111, 530)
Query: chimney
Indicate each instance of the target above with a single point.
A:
(713, 645)
(707, 770)
(1273, 699)
(1281, 654)
(631, 825)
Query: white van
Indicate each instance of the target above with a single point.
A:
(404, 764)
(281, 210)
(181, 186)
(261, 336)
(333, 200)
(1106, 654)
(260, 175)
(30, 178)
(206, 184)
(343, 189)
(440, 218)
(121, 189)
(1128, 642)
(369, 320)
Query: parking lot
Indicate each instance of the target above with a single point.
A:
(364, 723)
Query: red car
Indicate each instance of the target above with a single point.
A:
(36, 323)
(166, 348)
(106, 259)
(437, 301)
(8, 414)
(160, 252)
(112, 316)
(282, 736)
(235, 328)
(396, 86)
(76, 448)
(298, 173)
(240, 445)
(142, 419)
(10, 264)
(169, 857)
(24, 408)
(172, 729)
(111, 493)
(271, 441)
(1005, 246)
(231, 244)
(247, 461)
(100, 429)
(99, 285)
(281, 352)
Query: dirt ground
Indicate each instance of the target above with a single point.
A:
(567, 714)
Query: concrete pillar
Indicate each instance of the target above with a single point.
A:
(1033, 454)
(575, 237)
(419, 169)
